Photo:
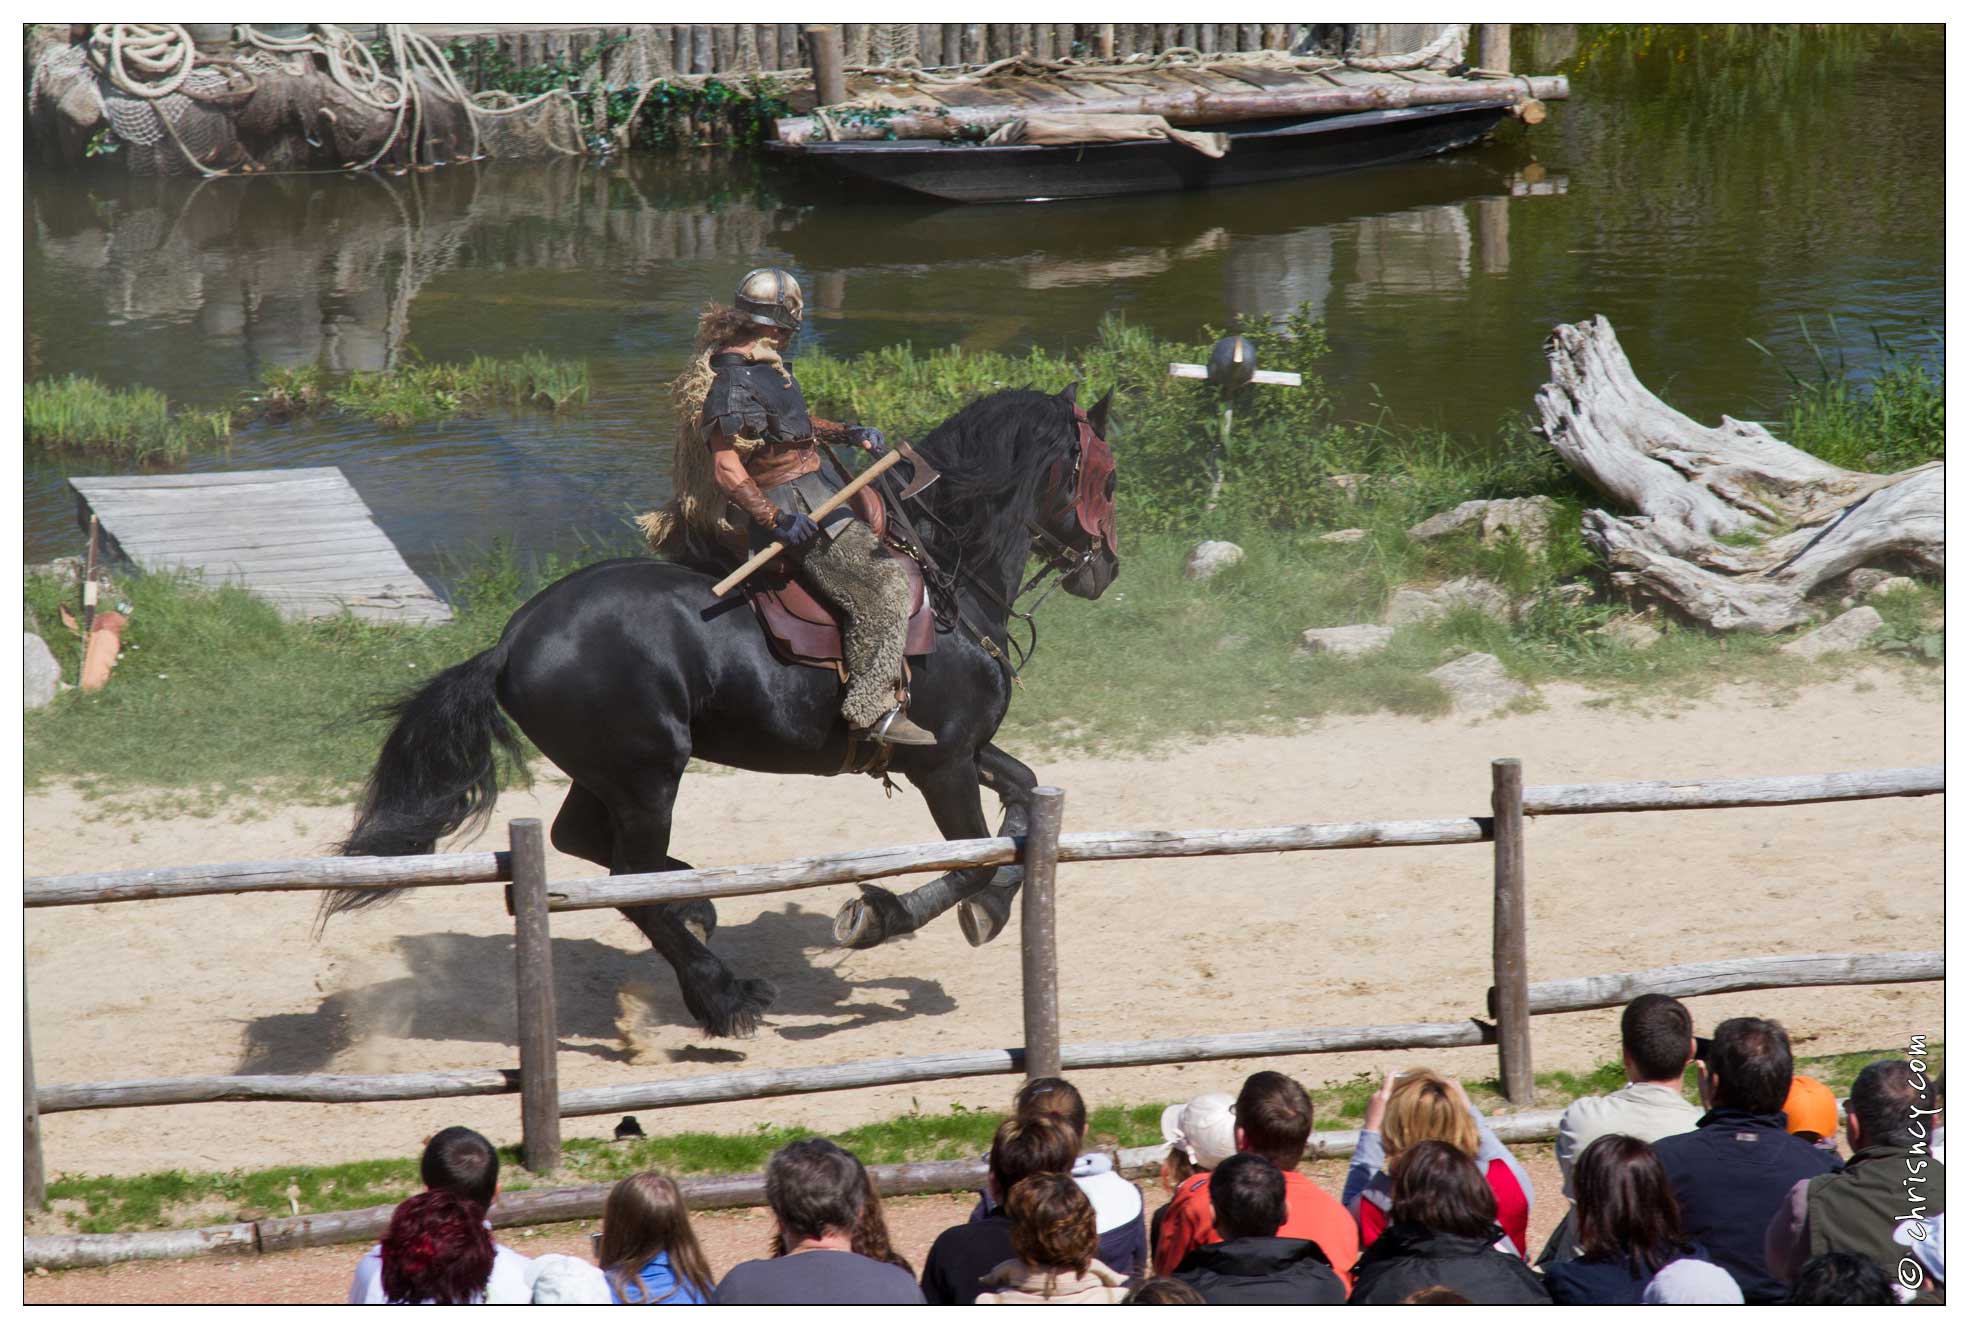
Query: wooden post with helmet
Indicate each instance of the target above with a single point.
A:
(1233, 366)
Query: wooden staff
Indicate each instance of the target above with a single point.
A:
(776, 548)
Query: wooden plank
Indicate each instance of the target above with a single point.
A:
(1507, 937)
(97, 1250)
(609, 1100)
(945, 855)
(1754, 792)
(1755, 973)
(34, 1176)
(302, 539)
(167, 1091)
(533, 960)
(1039, 950)
(294, 874)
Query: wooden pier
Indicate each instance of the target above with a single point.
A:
(302, 539)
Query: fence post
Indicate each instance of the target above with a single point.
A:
(825, 50)
(1507, 937)
(1039, 949)
(34, 1179)
(540, 1094)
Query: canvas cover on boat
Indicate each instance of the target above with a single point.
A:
(1061, 129)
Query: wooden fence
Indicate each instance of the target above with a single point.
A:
(1512, 1000)
(633, 53)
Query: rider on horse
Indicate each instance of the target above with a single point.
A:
(763, 448)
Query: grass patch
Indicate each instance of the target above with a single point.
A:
(136, 424)
(217, 697)
(416, 392)
(1889, 423)
(176, 1199)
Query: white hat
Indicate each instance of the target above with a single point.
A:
(1692, 1283)
(567, 1280)
(1204, 1128)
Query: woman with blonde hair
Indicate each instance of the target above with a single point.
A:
(1055, 1238)
(1423, 1105)
(647, 1248)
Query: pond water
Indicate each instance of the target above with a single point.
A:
(1705, 186)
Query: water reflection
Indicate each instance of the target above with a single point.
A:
(1706, 186)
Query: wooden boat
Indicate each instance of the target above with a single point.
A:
(1278, 148)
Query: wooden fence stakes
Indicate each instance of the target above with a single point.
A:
(34, 1179)
(540, 1106)
(1040, 937)
(1507, 938)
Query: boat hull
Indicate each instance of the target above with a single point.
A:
(975, 173)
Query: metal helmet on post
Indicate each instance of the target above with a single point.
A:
(771, 296)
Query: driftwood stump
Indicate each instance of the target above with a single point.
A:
(1733, 528)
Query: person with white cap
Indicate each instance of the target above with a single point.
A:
(567, 1280)
(1200, 1134)
(1273, 1118)
(1692, 1283)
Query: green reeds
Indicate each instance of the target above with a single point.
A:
(135, 423)
(415, 393)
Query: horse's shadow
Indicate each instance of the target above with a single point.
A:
(460, 989)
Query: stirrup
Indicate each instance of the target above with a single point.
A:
(898, 729)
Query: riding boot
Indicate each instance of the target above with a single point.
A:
(854, 573)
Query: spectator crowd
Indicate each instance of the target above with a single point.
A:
(1745, 1199)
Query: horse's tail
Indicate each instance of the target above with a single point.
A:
(438, 772)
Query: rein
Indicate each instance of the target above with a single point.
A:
(1061, 560)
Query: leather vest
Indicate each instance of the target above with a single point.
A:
(750, 400)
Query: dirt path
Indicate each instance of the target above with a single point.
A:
(728, 1237)
(224, 984)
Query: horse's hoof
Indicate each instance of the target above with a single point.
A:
(736, 1011)
(984, 915)
(870, 920)
(981, 920)
(699, 917)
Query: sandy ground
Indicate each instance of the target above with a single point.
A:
(728, 1237)
(1147, 949)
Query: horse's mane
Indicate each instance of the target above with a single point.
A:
(993, 455)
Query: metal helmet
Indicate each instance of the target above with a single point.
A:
(771, 296)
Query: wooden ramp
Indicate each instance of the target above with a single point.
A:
(302, 539)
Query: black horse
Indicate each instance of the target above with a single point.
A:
(623, 671)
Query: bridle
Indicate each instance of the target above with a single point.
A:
(1060, 559)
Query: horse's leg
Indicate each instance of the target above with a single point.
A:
(951, 790)
(984, 914)
(726, 1006)
(584, 829)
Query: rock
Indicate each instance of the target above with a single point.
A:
(1210, 558)
(1848, 632)
(40, 676)
(1477, 684)
(1351, 535)
(1892, 586)
(1630, 630)
(1410, 604)
(1357, 639)
(1448, 523)
(1350, 485)
(1529, 519)
(1414, 604)
(1860, 582)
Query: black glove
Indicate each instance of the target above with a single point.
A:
(795, 530)
(868, 436)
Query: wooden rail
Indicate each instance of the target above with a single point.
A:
(1757, 973)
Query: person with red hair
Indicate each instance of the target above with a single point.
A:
(437, 1252)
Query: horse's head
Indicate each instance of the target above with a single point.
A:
(1075, 514)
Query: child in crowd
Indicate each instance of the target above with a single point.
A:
(647, 1248)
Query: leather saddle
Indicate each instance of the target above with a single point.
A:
(803, 629)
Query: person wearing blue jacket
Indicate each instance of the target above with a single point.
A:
(646, 1246)
(1733, 1172)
